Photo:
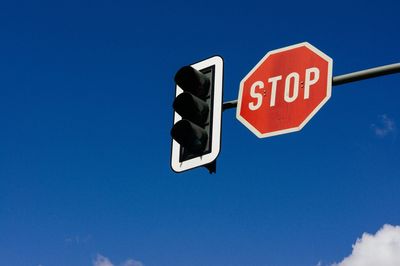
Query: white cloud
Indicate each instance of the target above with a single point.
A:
(131, 262)
(77, 239)
(381, 249)
(100, 260)
(386, 126)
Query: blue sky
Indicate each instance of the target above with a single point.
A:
(86, 91)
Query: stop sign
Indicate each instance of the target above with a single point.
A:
(284, 90)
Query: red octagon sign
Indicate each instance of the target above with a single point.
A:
(284, 90)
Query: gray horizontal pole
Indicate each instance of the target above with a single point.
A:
(366, 74)
(346, 78)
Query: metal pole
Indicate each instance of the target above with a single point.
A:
(366, 74)
(346, 78)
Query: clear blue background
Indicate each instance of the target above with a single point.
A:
(86, 91)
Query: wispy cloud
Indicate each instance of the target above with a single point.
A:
(100, 260)
(77, 239)
(131, 262)
(383, 248)
(384, 127)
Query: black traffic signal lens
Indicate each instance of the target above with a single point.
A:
(190, 136)
(193, 81)
(192, 108)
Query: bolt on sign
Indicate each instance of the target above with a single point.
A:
(285, 90)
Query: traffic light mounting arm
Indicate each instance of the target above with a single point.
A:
(346, 78)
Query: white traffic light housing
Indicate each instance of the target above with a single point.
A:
(196, 134)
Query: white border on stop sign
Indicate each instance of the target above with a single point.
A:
(294, 129)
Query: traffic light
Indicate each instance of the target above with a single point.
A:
(196, 134)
